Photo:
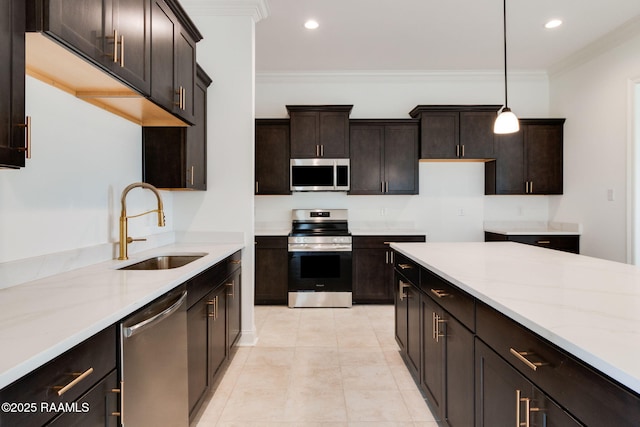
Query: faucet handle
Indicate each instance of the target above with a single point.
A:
(131, 239)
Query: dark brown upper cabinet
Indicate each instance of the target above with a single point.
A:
(176, 157)
(450, 132)
(113, 34)
(272, 156)
(319, 131)
(384, 157)
(12, 84)
(173, 56)
(529, 161)
(134, 58)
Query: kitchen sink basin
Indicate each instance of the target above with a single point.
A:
(163, 262)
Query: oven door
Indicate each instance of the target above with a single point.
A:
(320, 271)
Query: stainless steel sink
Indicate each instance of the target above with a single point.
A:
(163, 262)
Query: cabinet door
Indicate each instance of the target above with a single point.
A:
(413, 329)
(367, 159)
(459, 373)
(499, 389)
(508, 169)
(12, 83)
(217, 302)
(196, 158)
(476, 134)
(401, 159)
(185, 61)
(305, 134)
(543, 155)
(233, 285)
(272, 157)
(197, 321)
(401, 310)
(271, 270)
(371, 276)
(163, 72)
(440, 135)
(334, 134)
(131, 20)
(84, 25)
(504, 397)
(433, 348)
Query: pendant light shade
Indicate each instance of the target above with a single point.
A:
(506, 122)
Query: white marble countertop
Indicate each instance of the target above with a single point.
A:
(588, 306)
(43, 318)
(515, 228)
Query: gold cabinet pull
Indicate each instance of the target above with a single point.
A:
(518, 408)
(212, 303)
(405, 266)
(521, 356)
(236, 261)
(79, 376)
(120, 392)
(122, 51)
(232, 285)
(27, 137)
(401, 289)
(440, 293)
(192, 173)
(543, 242)
(462, 150)
(115, 46)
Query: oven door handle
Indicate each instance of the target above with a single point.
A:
(319, 248)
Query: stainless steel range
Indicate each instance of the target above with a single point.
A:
(319, 259)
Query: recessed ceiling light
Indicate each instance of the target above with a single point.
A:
(554, 23)
(311, 24)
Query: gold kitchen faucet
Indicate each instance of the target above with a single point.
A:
(124, 239)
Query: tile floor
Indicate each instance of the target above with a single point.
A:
(319, 367)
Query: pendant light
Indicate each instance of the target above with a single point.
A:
(506, 122)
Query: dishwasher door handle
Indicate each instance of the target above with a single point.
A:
(141, 326)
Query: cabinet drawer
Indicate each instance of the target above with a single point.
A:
(45, 383)
(203, 283)
(98, 407)
(271, 242)
(382, 242)
(565, 243)
(409, 269)
(460, 304)
(589, 395)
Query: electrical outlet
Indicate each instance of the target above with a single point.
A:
(611, 196)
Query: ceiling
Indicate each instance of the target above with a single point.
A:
(428, 35)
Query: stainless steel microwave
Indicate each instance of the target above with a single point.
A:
(319, 175)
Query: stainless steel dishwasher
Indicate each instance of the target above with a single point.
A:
(154, 387)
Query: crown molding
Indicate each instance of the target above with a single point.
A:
(399, 76)
(607, 42)
(256, 9)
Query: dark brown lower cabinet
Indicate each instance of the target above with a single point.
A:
(40, 403)
(373, 268)
(504, 397)
(481, 368)
(271, 270)
(213, 326)
(407, 315)
(447, 364)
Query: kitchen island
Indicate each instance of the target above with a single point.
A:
(584, 309)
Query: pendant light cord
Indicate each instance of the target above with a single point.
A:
(504, 23)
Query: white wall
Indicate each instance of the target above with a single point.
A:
(227, 55)
(451, 205)
(595, 97)
(68, 195)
